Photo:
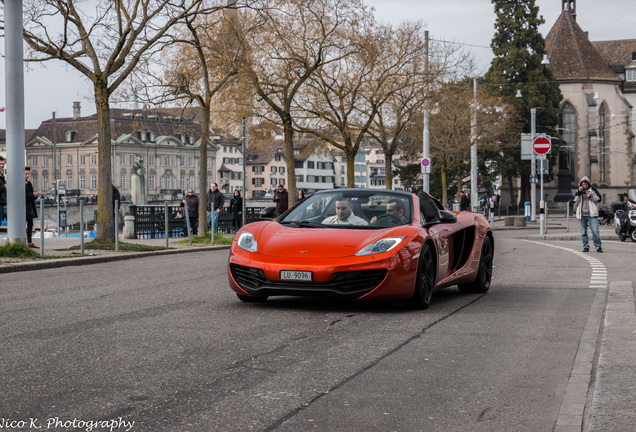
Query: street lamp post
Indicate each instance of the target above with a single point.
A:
(533, 167)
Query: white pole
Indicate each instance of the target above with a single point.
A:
(533, 167)
(474, 198)
(542, 203)
(426, 185)
(14, 87)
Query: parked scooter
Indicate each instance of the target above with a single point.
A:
(626, 219)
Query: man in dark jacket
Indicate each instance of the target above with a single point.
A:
(192, 201)
(281, 200)
(3, 189)
(116, 198)
(216, 201)
(31, 209)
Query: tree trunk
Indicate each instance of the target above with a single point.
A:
(289, 154)
(387, 170)
(203, 173)
(105, 223)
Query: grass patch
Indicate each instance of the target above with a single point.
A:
(123, 246)
(17, 250)
(205, 240)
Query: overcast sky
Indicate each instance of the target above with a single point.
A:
(470, 22)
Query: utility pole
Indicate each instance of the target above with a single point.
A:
(426, 185)
(474, 194)
(533, 166)
(14, 86)
(245, 143)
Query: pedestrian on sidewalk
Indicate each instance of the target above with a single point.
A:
(192, 201)
(585, 206)
(236, 208)
(31, 208)
(3, 189)
(216, 201)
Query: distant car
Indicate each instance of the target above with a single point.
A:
(363, 244)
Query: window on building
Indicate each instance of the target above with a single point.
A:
(282, 181)
(122, 181)
(122, 159)
(298, 164)
(82, 181)
(69, 182)
(630, 74)
(602, 131)
(34, 161)
(281, 170)
(45, 161)
(45, 182)
(310, 164)
(82, 159)
(190, 161)
(93, 181)
(151, 181)
(151, 160)
(274, 169)
(567, 128)
(258, 181)
(131, 159)
(93, 159)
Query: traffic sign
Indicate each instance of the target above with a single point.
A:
(542, 145)
(426, 165)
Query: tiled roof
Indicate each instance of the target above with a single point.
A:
(617, 54)
(572, 56)
(123, 122)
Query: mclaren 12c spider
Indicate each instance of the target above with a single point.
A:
(363, 244)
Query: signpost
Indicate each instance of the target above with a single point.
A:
(426, 165)
(542, 146)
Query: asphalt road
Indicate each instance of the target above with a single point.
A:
(163, 342)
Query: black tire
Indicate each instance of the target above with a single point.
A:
(632, 235)
(425, 280)
(482, 282)
(251, 299)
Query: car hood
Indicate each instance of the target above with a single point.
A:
(282, 241)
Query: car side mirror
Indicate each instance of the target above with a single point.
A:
(446, 216)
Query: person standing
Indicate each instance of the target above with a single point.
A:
(236, 208)
(31, 209)
(116, 200)
(585, 205)
(3, 189)
(216, 201)
(464, 202)
(192, 201)
(281, 199)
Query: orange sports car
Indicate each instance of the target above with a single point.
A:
(363, 244)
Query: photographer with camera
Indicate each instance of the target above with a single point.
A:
(585, 204)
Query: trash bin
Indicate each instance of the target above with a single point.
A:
(528, 211)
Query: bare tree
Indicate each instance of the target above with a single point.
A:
(105, 41)
(293, 41)
(201, 59)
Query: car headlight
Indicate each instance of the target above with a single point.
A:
(246, 241)
(382, 245)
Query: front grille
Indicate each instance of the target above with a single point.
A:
(346, 284)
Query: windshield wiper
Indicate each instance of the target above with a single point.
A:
(304, 224)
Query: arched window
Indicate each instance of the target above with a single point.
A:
(602, 135)
(567, 128)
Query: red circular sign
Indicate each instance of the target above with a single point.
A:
(541, 145)
(426, 162)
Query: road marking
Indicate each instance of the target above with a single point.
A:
(573, 414)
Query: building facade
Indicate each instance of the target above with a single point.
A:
(168, 145)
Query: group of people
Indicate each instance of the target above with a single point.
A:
(215, 203)
(30, 197)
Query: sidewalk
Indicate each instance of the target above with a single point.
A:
(58, 254)
(557, 228)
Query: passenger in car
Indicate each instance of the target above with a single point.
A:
(344, 214)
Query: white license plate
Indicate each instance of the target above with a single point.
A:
(293, 275)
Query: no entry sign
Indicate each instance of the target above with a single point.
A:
(542, 145)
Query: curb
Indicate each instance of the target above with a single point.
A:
(116, 256)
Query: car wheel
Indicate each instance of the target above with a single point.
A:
(632, 235)
(251, 299)
(425, 280)
(481, 284)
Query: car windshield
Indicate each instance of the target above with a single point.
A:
(352, 208)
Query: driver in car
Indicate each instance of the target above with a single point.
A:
(393, 208)
(344, 214)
